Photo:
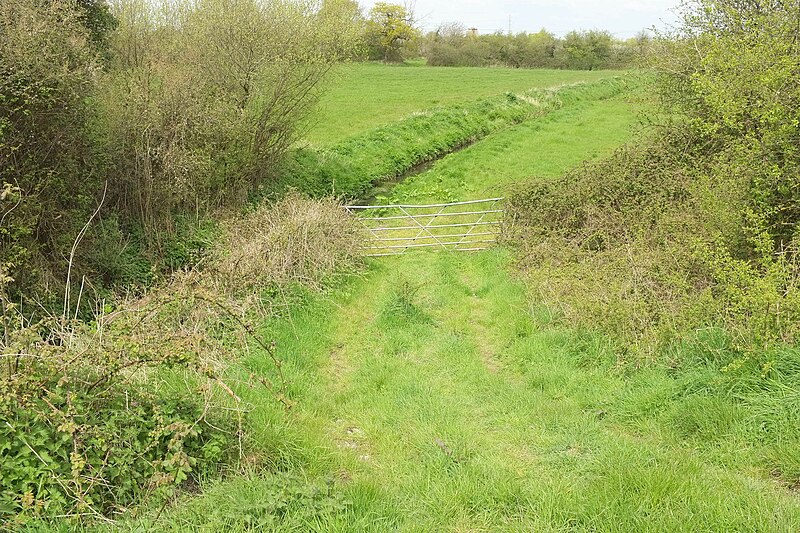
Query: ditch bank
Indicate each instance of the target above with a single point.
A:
(365, 166)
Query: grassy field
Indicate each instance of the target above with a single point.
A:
(432, 393)
(352, 167)
(363, 96)
(543, 147)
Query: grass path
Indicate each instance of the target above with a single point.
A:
(445, 406)
(435, 396)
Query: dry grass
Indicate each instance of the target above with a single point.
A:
(296, 241)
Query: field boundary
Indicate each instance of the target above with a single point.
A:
(455, 226)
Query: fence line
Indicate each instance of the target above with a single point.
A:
(395, 229)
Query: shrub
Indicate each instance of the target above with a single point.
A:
(731, 72)
(82, 432)
(695, 228)
(48, 68)
(653, 243)
(201, 101)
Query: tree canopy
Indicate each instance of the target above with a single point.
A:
(390, 32)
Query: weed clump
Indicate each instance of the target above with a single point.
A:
(403, 306)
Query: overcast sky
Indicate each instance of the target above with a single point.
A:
(623, 18)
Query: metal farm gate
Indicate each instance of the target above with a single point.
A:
(456, 226)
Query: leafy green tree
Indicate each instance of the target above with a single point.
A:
(346, 16)
(390, 32)
(541, 49)
(587, 50)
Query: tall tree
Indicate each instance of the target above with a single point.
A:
(390, 31)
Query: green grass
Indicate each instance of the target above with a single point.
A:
(349, 168)
(432, 396)
(433, 393)
(364, 96)
(544, 147)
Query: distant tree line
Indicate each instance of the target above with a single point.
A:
(391, 34)
(453, 45)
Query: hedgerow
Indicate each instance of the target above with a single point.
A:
(141, 116)
(96, 416)
(696, 226)
(684, 246)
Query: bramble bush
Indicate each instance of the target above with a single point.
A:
(652, 244)
(91, 418)
(82, 431)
